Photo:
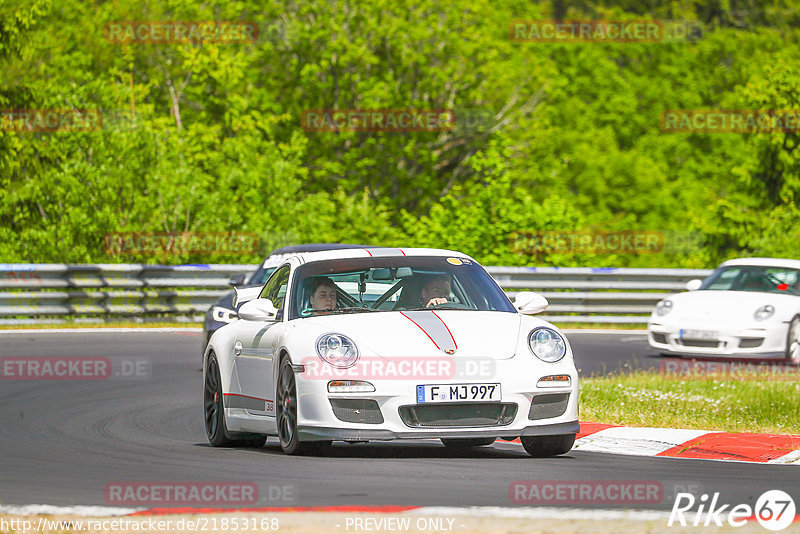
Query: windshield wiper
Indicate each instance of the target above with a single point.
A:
(352, 309)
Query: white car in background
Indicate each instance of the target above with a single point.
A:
(748, 307)
(467, 367)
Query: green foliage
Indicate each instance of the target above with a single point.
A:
(207, 137)
(483, 216)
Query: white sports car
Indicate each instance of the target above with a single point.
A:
(383, 344)
(748, 307)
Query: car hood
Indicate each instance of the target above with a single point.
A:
(470, 334)
(725, 305)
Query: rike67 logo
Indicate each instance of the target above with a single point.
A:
(774, 510)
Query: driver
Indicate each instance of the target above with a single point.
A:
(323, 294)
(435, 290)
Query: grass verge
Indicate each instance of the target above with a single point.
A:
(746, 402)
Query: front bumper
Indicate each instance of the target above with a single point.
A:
(346, 434)
(536, 410)
(721, 340)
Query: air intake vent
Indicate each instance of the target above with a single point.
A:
(750, 342)
(458, 414)
(705, 343)
(547, 406)
(357, 411)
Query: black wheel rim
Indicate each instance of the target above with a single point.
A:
(287, 406)
(211, 398)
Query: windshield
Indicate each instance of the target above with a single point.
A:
(370, 285)
(754, 278)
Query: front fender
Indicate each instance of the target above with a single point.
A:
(221, 345)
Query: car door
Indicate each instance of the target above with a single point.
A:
(254, 362)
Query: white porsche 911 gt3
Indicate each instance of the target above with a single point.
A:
(383, 344)
(748, 307)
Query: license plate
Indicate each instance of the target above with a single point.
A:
(699, 334)
(458, 392)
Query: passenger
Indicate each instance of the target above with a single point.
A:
(323, 294)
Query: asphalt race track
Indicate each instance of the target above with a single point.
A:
(63, 442)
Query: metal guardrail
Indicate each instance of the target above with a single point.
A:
(46, 293)
(49, 293)
(596, 294)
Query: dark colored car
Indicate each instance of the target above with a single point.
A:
(223, 312)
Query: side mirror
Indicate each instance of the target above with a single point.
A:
(258, 310)
(694, 285)
(529, 303)
(237, 279)
(244, 294)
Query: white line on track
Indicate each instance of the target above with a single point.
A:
(542, 513)
(475, 511)
(47, 509)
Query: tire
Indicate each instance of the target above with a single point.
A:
(793, 341)
(543, 446)
(286, 415)
(214, 413)
(203, 352)
(466, 443)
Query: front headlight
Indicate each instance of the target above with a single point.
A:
(547, 344)
(764, 312)
(338, 350)
(663, 307)
(223, 315)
